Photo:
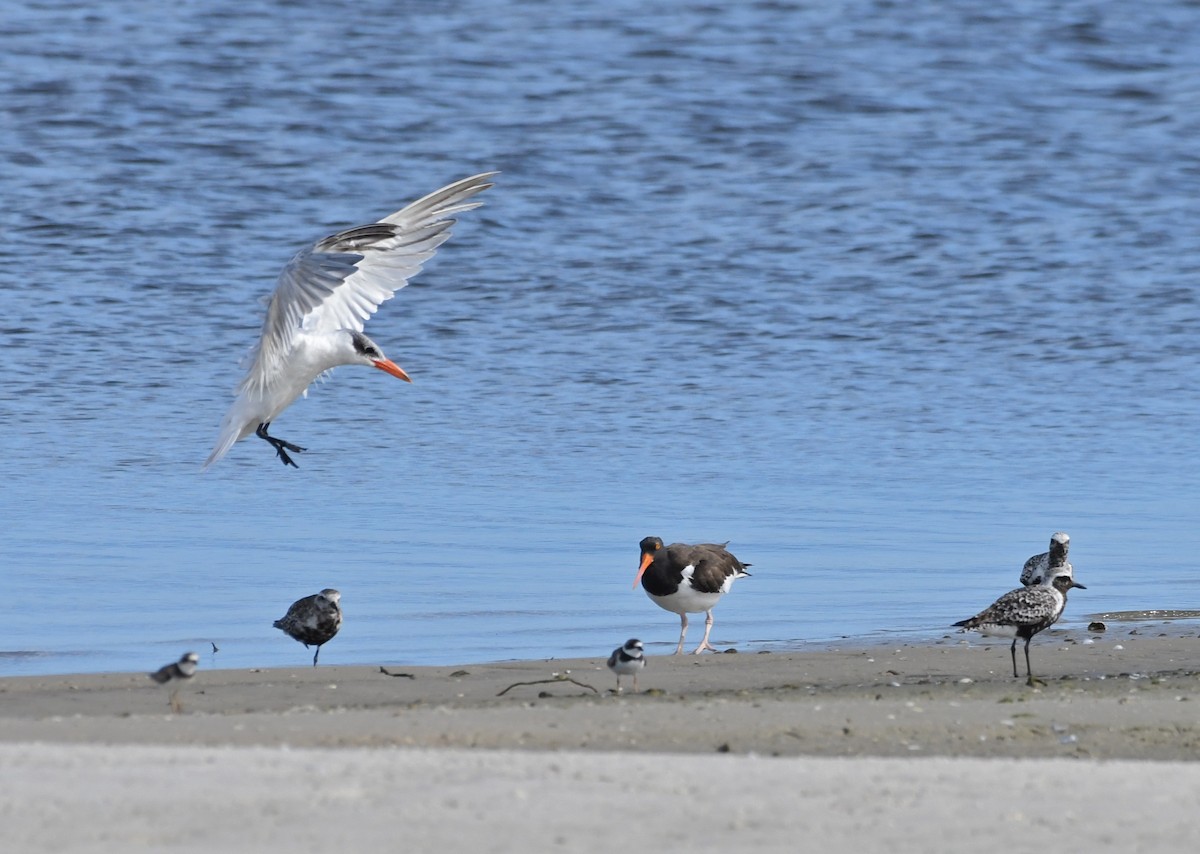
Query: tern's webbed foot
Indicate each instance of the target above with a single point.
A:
(287, 461)
(281, 447)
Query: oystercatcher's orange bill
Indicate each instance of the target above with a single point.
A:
(647, 559)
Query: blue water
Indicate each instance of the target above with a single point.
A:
(884, 293)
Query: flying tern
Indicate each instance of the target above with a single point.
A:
(324, 296)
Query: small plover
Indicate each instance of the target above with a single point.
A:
(314, 619)
(626, 660)
(1022, 613)
(683, 579)
(181, 670)
(1048, 564)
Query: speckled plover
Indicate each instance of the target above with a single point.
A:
(1048, 564)
(688, 579)
(626, 660)
(1022, 613)
(314, 619)
(181, 671)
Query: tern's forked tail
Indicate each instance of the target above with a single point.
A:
(229, 436)
(232, 429)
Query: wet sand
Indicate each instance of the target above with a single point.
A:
(715, 750)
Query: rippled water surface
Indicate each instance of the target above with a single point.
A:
(884, 293)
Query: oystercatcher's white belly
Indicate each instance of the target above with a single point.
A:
(685, 600)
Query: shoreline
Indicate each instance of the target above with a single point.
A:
(1125, 694)
(1153, 622)
(1163, 621)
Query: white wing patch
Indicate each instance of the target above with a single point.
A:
(340, 281)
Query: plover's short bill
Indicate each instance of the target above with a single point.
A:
(1048, 564)
(1022, 613)
(688, 579)
(178, 671)
(314, 619)
(626, 660)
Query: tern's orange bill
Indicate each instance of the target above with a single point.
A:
(647, 559)
(390, 367)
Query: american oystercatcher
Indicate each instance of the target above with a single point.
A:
(1022, 613)
(626, 660)
(688, 579)
(181, 670)
(314, 619)
(1048, 564)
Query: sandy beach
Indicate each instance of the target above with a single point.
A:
(866, 746)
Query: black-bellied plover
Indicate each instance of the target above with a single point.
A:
(1048, 564)
(626, 660)
(1022, 613)
(314, 619)
(688, 579)
(180, 671)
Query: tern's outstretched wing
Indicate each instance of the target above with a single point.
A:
(339, 282)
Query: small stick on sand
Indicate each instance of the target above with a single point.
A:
(558, 677)
(386, 672)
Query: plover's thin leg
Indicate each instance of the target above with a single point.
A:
(683, 624)
(176, 706)
(1013, 649)
(1033, 680)
(618, 683)
(704, 644)
(281, 447)
(315, 654)
(635, 690)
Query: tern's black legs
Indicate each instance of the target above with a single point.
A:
(281, 447)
